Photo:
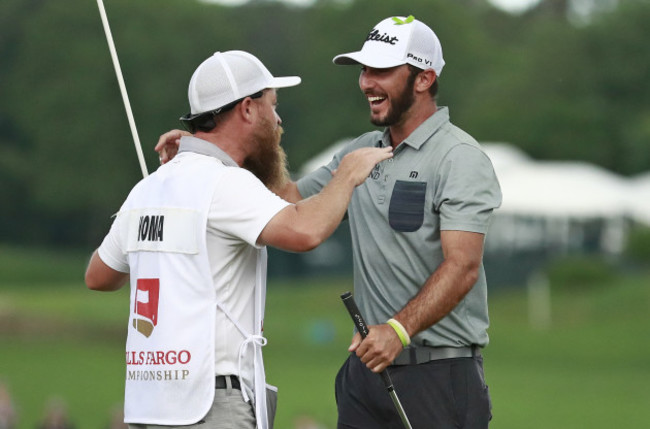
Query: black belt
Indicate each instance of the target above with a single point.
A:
(421, 354)
(220, 382)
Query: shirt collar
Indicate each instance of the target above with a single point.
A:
(423, 132)
(202, 147)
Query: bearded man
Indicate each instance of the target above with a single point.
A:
(192, 239)
(418, 226)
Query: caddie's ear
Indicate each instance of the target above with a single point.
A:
(424, 80)
(247, 110)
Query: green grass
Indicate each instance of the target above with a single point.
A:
(27, 267)
(587, 370)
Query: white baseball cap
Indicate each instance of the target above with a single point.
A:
(396, 41)
(227, 77)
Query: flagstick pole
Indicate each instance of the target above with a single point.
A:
(120, 80)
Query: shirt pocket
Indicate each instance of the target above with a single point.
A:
(406, 210)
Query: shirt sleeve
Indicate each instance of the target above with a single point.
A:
(242, 206)
(468, 190)
(314, 182)
(110, 251)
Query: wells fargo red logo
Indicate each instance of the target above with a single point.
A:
(146, 306)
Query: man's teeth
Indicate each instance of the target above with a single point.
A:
(373, 99)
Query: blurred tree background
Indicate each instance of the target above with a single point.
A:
(564, 80)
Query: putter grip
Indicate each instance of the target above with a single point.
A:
(362, 327)
(357, 318)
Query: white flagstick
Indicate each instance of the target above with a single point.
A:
(120, 80)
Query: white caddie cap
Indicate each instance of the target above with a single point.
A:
(396, 41)
(229, 76)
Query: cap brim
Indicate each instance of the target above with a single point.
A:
(366, 59)
(284, 82)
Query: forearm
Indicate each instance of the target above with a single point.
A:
(448, 284)
(324, 211)
(305, 225)
(441, 293)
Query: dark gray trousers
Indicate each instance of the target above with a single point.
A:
(440, 394)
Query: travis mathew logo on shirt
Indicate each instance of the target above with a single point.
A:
(146, 306)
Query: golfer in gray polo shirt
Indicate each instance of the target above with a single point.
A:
(418, 226)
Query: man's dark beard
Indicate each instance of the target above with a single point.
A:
(398, 106)
(269, 162)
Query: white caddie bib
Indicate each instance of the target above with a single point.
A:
(170, 352)
(170, 344)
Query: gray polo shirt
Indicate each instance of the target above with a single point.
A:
(438, 179)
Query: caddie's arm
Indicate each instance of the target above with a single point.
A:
(101, 277)
(443, 290)
(303, 226)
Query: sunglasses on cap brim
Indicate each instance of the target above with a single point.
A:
(206, 121)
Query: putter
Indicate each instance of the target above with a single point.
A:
(362, 327)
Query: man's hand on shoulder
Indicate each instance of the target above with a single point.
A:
(167, 146)
(358, 164)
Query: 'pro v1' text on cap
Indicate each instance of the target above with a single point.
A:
(396, 41)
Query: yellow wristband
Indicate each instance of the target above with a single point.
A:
(401, 332)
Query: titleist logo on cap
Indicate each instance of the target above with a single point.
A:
(402, 40)
(374, 36)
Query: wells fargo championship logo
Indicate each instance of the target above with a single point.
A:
(145, 319)
(146, 306)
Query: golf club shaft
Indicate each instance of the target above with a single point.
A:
(362, 327)
(120, 80)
